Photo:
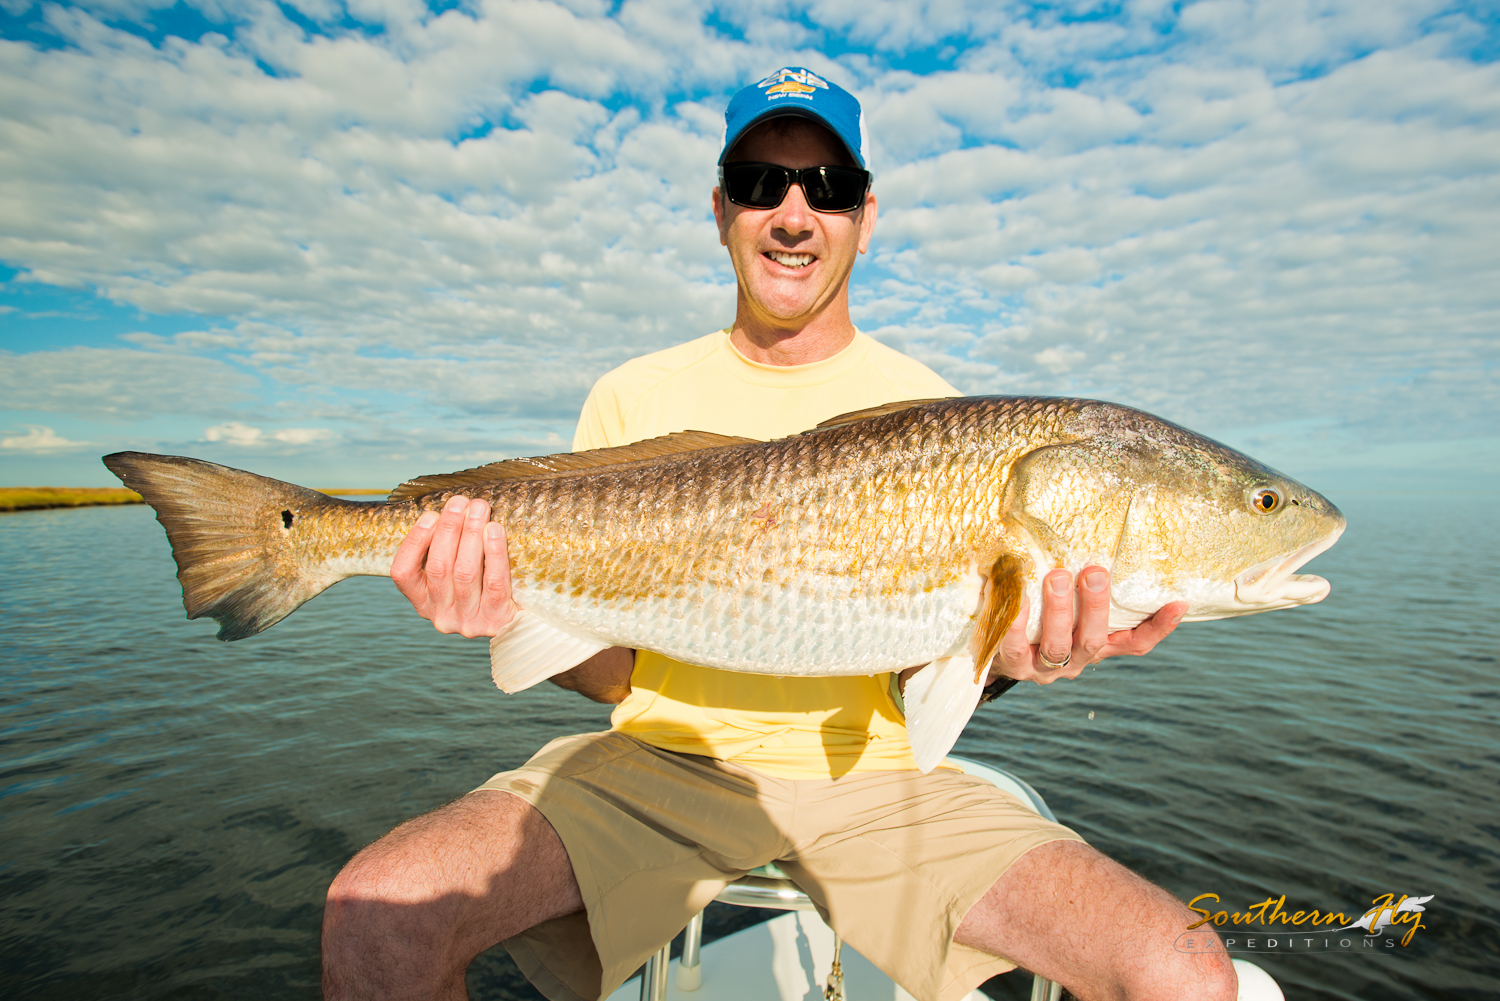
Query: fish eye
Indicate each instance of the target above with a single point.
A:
(1265, 500)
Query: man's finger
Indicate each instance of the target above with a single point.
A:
(494, 604)
(1056, 641)
(468, 560)
(411, 555)
(440, 556)
(1144, 637)
(1092, 634)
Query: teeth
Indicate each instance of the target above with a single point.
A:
(790, 260)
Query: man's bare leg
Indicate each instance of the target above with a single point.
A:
(1069, 913)
(410, 912)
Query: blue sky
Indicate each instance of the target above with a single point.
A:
(348, 243)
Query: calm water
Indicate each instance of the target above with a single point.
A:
(172, 808)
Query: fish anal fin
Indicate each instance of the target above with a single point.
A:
(940, 699)
(880, 411)
(563, 463)
(1000, 603)
(530, 651)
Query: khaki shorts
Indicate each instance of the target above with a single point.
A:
(893, 860)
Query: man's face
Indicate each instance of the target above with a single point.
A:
(792, 262)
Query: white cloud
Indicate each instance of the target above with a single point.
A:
(235, 433)
(1059, 359)
(120, 384)
(39, 439)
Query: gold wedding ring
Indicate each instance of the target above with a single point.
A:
(1051, 666)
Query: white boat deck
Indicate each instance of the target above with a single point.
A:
(787, 958)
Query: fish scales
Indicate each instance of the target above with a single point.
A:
(782, 537)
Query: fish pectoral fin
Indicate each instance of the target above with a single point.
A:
(1004, 589)
(530, 651)
(940, 698)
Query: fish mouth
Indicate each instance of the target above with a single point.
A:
(1276, 583)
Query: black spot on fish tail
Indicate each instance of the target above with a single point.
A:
(286, 519)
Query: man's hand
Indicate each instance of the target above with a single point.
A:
(1079, 644)
(454, 568)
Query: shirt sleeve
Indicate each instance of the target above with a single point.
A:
(599, 423)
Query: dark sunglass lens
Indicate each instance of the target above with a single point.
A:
(834, 189)
(821, 190)
(755, 185)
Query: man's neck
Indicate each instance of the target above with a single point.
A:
(767, 344)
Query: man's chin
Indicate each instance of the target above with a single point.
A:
(788, 319)
(789, 299)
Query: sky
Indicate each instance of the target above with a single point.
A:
(347, 243)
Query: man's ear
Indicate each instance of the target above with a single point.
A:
(720, 212)
(867, 222)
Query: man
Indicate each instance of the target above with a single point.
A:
(587, 859)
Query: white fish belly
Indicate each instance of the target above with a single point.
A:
(797, 630)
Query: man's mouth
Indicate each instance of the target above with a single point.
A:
(790, 260)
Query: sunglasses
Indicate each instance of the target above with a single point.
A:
(763, 185)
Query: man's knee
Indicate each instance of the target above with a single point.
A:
(374, 916)
(421, 902)
(1202, 977)
(1068, 912)
(388, 870)
(392, 914)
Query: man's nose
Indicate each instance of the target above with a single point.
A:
(793, 215)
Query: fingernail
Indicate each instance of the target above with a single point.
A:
(1058, 584)
(1096, 581)
(456, 504)
(492, 531)
(427, 520)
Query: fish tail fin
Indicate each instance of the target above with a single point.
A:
(227, 528)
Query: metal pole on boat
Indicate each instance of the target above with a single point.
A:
(1043, 989)
(689, 968)
(654, 976)
(834, 991)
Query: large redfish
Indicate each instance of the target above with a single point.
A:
(906, 534)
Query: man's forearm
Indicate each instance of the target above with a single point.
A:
(604, 677)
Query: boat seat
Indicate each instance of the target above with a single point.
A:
(770, 888)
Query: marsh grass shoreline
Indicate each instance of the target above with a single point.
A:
(42, 498)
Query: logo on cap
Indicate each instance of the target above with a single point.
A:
(790, 82)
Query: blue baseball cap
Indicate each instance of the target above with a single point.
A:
(795, 91)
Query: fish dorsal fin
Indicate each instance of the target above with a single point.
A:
(880, 411)
(546, 466)
(1001, 603)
